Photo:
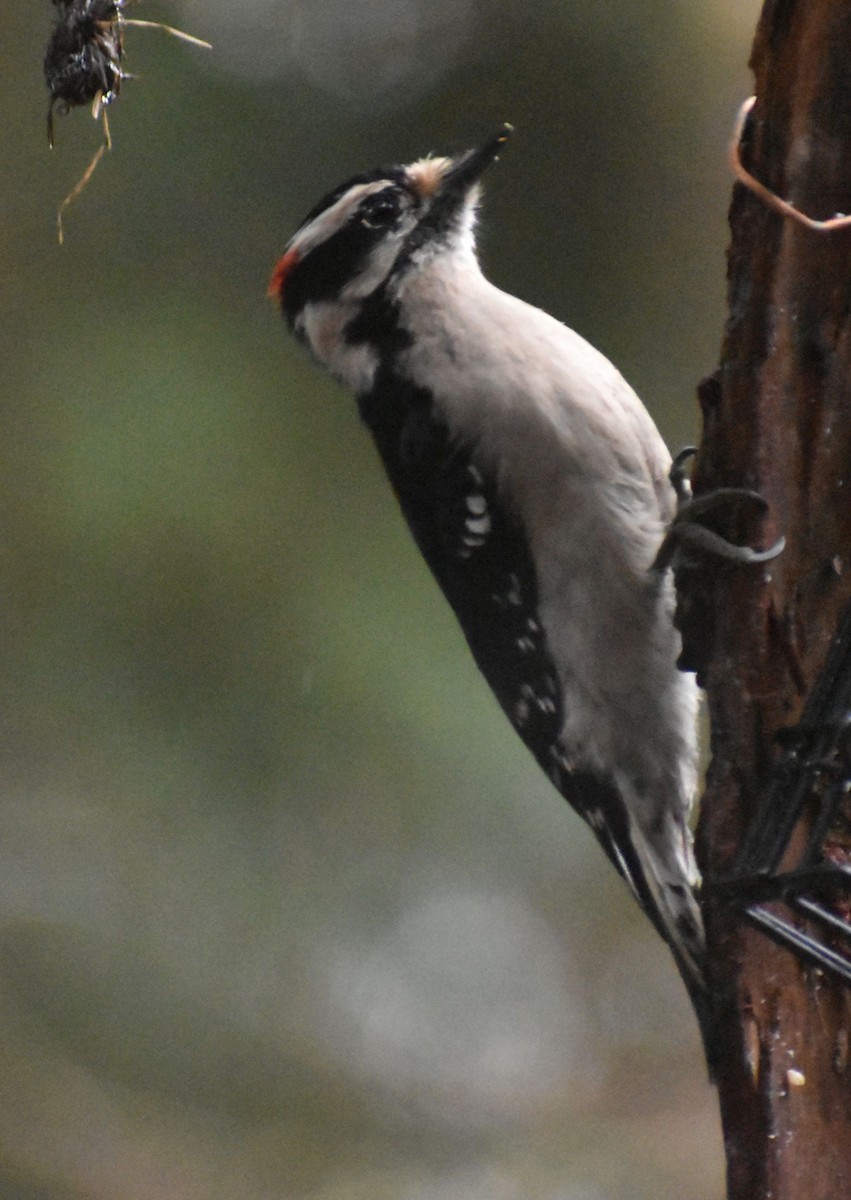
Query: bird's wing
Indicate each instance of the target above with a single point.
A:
(477, 551)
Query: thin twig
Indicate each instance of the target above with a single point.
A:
(771, 199)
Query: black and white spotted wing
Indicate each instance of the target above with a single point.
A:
(478, 553)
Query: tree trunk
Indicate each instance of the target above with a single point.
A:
(777, 418)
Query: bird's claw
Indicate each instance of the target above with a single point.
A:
(680, 481)
(711, 545)
(688, 530)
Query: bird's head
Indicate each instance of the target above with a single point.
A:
(365, 236)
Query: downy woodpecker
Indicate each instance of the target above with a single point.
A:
(536, 486)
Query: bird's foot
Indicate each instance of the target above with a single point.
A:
(689, 536)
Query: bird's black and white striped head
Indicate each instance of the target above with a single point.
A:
(342, 271)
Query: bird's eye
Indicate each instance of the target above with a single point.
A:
(380, 210)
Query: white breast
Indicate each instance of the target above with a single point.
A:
(578, 458)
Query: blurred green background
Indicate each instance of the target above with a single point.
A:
(286, 910)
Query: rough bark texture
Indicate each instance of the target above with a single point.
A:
(777, 418)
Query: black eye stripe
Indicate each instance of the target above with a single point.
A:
(380, 209)
(326, 265)
(394, 175)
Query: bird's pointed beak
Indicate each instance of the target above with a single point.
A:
(467, 170)
(448, 186)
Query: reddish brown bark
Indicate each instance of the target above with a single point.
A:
(777, 418)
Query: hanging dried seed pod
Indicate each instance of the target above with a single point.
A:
(83, 65)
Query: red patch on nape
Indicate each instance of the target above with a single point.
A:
(279, 276)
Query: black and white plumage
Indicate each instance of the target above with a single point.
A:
(536, 487)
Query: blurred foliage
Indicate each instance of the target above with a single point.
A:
(286, 909)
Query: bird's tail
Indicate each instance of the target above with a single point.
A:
(663, 876)
(666, 886)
